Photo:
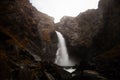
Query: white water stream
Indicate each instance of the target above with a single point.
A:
(62, 58)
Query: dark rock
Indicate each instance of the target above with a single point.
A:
(28, 42)
(97, 42)
(26, 34)
(87, 75)
(69, 28)
(79, 33)
(108, 39)
(29, 29)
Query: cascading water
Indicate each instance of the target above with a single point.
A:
(62, 58)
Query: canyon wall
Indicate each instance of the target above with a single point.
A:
(28, 29)
(93, 37)
(26, 37)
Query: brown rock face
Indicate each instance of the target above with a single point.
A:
(90, 23)
(80, 31)
(69, 28)
(108, 39)
(26, 36)
(28, 28)
(97, 37)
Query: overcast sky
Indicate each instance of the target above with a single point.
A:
(60, 8)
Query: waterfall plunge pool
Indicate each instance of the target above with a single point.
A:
(70, 70)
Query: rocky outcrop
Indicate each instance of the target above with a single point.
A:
(82, 28)
(28, 42)
(26, 37)
(28, 29)
(97, 42)
(110, 33)
(108, 39)
(80, 31)
(90, 22)
(69, 28)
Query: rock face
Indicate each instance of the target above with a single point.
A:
(82, 28)
(69, 27)
(28, 42)
(28, 29)
(110, 32)
(108, 39)
(80, 31)
(96, 37)
(26, 36)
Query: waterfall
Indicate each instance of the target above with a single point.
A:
(62, 58)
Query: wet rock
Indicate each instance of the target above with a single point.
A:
(28, 38)
(108, 39)
(25, 33)
(30, 29)
(69, 28)
(87, 74)
(49, 76)
(79, 33)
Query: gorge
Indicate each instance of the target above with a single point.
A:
(29, 43)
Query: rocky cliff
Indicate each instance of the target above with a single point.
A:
(28, 42)
(93, 37)
(108, 39)
(27, 28)
(79, 31)
(26, 36)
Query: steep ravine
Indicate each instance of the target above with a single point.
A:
(28, 42)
